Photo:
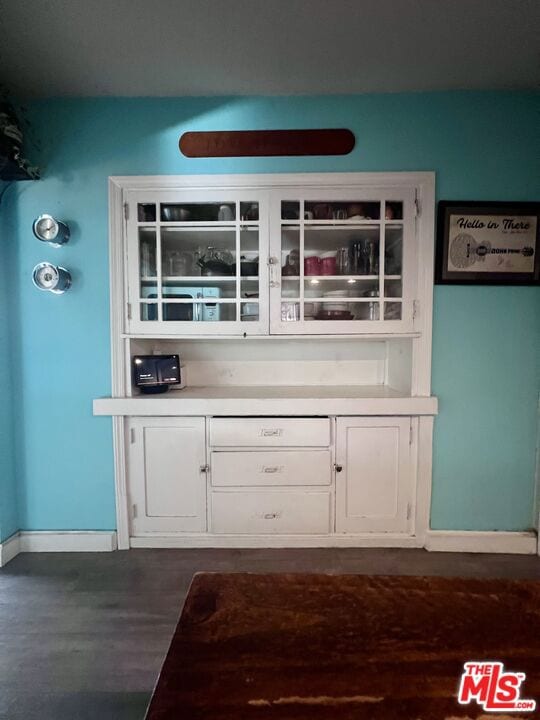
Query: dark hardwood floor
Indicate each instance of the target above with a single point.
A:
(83, 636)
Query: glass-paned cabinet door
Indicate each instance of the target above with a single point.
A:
(342, 260)
(197, 262)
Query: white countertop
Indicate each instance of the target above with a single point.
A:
(271, 400)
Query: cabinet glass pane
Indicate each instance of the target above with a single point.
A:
(249, 211)
(198, 312)
(324, 286)
(148, 311)
(146, 212)
(147, 263)
(340, 251)
(199, 287)
(249, 263)
(188, 309)
(393, 268)
(202, 252)
(393, 210)
(392, 311)
(147, 253)
(393, 250)
(328, 299)
(290, 311)
(340, 309)
(290, 210)
(341, 210)
(290, 262)
(249, 288)
(313, 292)
(176, 262)
(290, 288)
(249, 311)
(393, 288)
(223, 211)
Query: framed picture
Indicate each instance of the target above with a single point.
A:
(488, 243)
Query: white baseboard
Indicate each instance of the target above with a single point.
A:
(481, 542)
(9, 549)
(105, 541)
(57, 541)
(201, 540)
(68, 541)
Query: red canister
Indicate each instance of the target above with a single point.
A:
(312, 265)
(328, 265)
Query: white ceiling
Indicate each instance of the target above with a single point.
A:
(266, 47)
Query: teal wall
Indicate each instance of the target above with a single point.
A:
(9, 520)
(486, 355)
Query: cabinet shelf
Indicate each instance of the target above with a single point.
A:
(349, 224)
(197, 301)
(351, 299)
(198, 279)
(347, 278)
(201, 225)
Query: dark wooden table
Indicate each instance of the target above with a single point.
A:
(342, 647)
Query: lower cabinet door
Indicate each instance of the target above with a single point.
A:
(373, 482)
(167, 479)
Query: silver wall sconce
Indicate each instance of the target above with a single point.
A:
(54, 232)
(51, 277)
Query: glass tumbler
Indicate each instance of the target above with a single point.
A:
(344, 261)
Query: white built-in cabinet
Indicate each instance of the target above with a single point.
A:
(271, 476)
(300, 307)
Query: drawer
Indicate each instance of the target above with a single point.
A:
(269, 513)
(270, 432)
(271, 468)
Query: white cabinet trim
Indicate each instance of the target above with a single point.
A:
(196, 401)
(326, 179)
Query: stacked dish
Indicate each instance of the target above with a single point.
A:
(311, 309)
(336, 306)
(335, 310)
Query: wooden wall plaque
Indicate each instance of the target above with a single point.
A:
(266, 143)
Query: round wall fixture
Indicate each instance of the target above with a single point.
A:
(51, 277)
(49, 230)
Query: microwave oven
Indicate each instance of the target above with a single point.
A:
(184, 312)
